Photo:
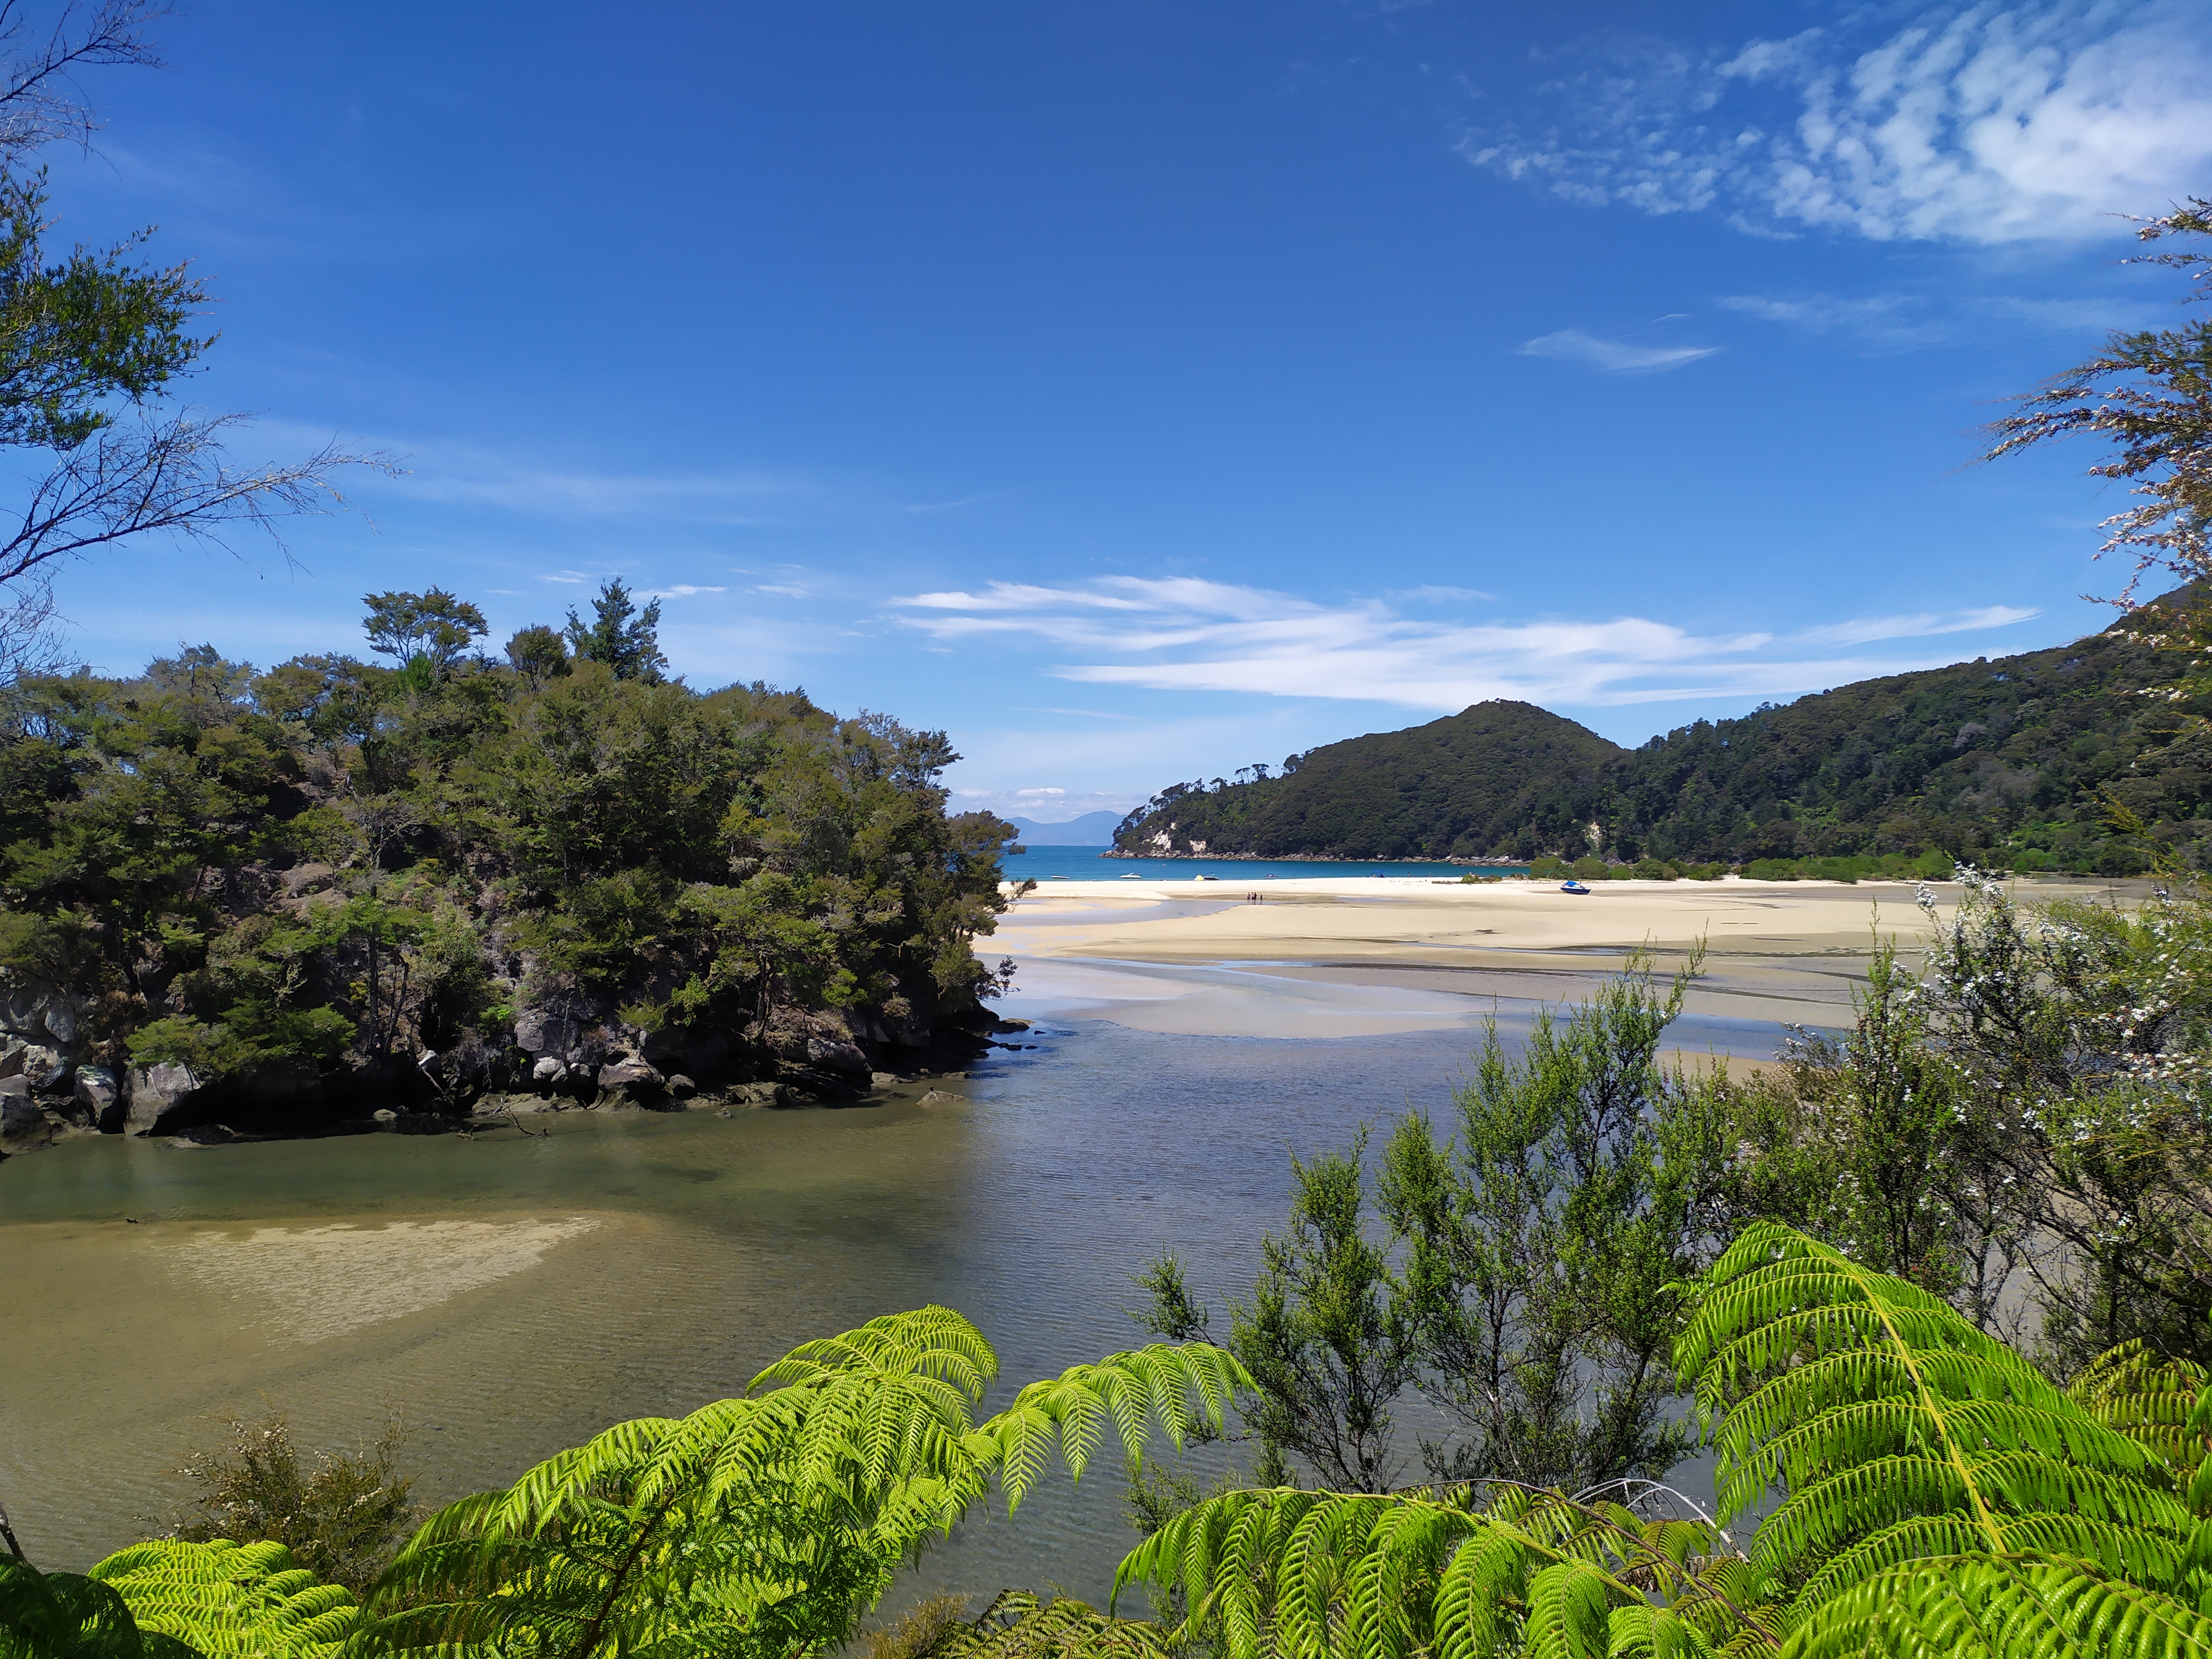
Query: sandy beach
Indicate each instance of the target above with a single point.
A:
(1361, 956)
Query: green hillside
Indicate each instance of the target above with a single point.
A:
(2010, 760)
(1462, 784)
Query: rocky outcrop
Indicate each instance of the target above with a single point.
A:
(156, 1098)
(566, 1048)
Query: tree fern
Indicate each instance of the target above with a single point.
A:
(764, 1524)
(231, 1600)
(1937, 1495)
(1019, 1625)
(66, 1615)
(1936, 1488)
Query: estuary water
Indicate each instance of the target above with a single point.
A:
(1091, 864)
(507, 1294)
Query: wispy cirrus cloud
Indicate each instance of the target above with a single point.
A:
(1976, 123)
(1616, 356)
(1186, 634)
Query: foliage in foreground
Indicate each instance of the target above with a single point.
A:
(1926, 1489)
(1937, 1494)
(341, 1518)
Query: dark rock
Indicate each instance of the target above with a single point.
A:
(827, 1052)
(95, 1091)
(309, 878)
(204, 1134)
(682, 1086)
(538, 1031)
(632, 1082)
(156, 1095)
(22, 1120)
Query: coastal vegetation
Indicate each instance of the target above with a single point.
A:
(2012, 764)
(277, 899)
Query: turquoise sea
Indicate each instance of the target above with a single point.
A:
(1088, 864)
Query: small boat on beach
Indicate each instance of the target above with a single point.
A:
(1572, 887)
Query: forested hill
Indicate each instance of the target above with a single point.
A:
(1463, 783)
(2009, 761)
(278, 900)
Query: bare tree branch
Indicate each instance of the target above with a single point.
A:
(30, 645)
(39, 99)
(164, 474)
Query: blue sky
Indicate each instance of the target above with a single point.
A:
(1138, 390)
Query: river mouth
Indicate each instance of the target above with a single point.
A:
(506, 1296)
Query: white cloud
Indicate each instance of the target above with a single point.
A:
(683, 591)
(1191, 635)
(1978, 123)
(1866, 629)
(1615, 356)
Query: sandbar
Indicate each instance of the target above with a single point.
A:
(1360, 956)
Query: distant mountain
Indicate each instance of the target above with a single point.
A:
(2020, 757)
(1091, 829)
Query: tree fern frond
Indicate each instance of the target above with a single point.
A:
(1990, 1608)
(1019, 1625)
(931, 1341)
(2142, 1558)
(231, 1600)
(67, 1615)
(2138, 1392)
(1570, 1614)
(1151, 1384)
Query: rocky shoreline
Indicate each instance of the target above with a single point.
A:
(572, 1054)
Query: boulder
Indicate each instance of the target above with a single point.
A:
(940, 1097)
(549, 1069)
(155, 1093)
(883, 1079)
(22, 1120)
(309, 878)
(204, 1134)
(840, 1055)
(49, 1072)
(764, 1094)
(632, 1082)
(682, 1086)
(95, 1087)
(538, 1031)
(385, 1115)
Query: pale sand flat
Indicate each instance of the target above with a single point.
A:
(1431, 951)
(303, 1283)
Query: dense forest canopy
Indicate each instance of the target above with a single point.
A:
(331, 880)
(2015, 761)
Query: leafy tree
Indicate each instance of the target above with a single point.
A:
(342, 1519)
(435, 627)
(1327, 1336)
(1547, 1238)
(626, 639)
(538, 653)
(2148, 395)
(1523, 1272)
(90, 346)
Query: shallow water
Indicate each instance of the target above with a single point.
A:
(507, 1296)
(1092, 864)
